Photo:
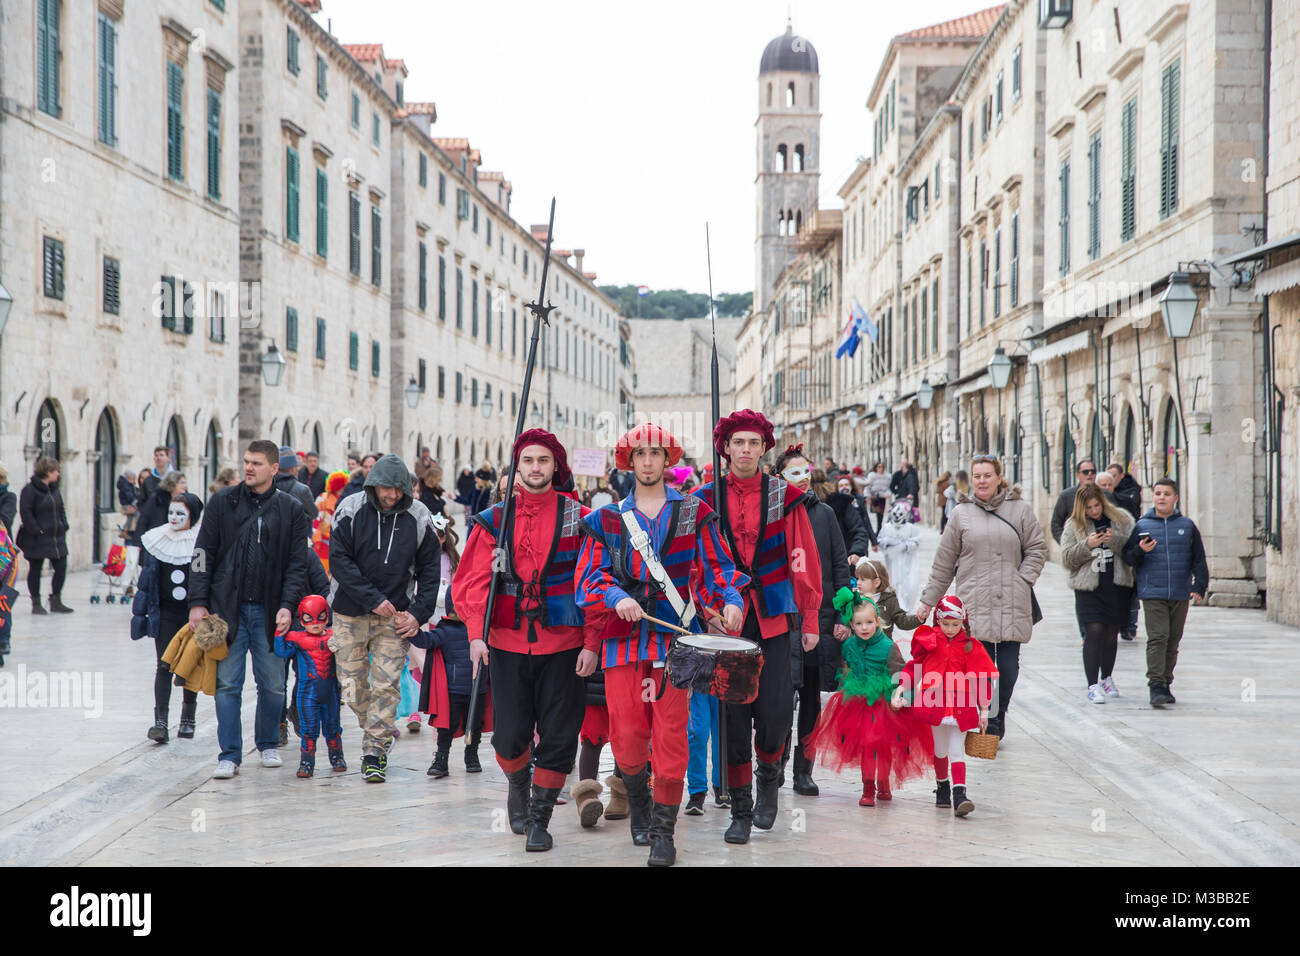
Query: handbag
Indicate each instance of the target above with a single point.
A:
(1035, 612)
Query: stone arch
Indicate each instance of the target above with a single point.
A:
(782, 158)
(49, 429)
(797, 160)
(789, 95)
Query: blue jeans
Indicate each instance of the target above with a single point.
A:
(268, 672)
(704, 724)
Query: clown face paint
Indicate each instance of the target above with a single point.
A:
(178, 516)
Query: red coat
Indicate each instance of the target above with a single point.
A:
(948, 677)
(435, 699)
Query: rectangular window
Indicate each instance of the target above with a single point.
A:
(217, 318)
(460, 298)
(916, 323)
(1015, 259)
(376, 246)
(514, 333)
(997, 99)
(322, 213)
(52, 268)
(292, 50)
(970, 286)
(322, 71)
(487, 315)
(984, 279)
(997, 272)
(473, 307)
(421, 374)
(291, 194)
(354, 351)
(354, 233)
(925, 321)
(460, 387)
(489, 232)
(107, 116)
(903, 357)
(1094, 196)
(476, 217)
(48, 55)
(320, 338)
(423, 295)
(175, 123)
(182, 320)
(1015, 74)
(442, 288)
(374, 358)
(214, 144)
(1128, 171)
(462, 204)
(1169, 117)
(290, 329)
(442, 381)
(356, 110)
(374, 123)
(442, 188)
(934, 323)
(424, 170)
(970, 140)
(473, 392)
(1063, 179)
(984, 120)
(112, 286)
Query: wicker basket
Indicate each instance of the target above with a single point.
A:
(984, 746)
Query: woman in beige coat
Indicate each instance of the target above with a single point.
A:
(991, 553)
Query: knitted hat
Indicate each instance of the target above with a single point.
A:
(646, 434)
(745, 420)
(950, 606)
(540, 436)
(288, 458)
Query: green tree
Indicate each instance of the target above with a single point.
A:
(676, 303)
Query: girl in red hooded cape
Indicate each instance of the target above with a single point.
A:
(949, 682)
(861, 725)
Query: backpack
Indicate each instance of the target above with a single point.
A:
(8, 558)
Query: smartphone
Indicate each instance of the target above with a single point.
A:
(1144, 536)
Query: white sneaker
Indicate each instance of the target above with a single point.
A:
(271, 758)
(1108, 685)
(225, 770)
(1096, 694)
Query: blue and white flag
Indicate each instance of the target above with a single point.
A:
(864, 322)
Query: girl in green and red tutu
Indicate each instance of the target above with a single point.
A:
(861, 725)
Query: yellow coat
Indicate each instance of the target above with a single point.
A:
(195, 666)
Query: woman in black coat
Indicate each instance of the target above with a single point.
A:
(44, 534)
(851, 512)
(808, 667)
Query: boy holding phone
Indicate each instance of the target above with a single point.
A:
(1169, 562)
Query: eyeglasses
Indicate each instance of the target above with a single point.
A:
(975, 458)
(1087, 471)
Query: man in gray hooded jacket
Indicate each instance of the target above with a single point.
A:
(386, 565)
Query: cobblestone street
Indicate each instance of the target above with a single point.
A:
(1198, 783)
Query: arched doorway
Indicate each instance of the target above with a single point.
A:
(317, 439)
(105, 478)
(438, 455)
(174, 442)
(1068, 452)
(286, 433)
(49, 432)
(1129, 444)
(211, 455)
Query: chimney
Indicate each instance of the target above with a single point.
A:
(539, 232)
(577, 259)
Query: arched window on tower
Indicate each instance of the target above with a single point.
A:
(769, 94)
(780, 222)
(811, 98)
(789, 222)
(789, 95)
(798, 158)
(781, 158)
(798, 222)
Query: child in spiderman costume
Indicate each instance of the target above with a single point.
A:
(318, 685)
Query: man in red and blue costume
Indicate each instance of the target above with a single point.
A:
(317, 697)
(772, 541)
(542, 645)
(612, 574)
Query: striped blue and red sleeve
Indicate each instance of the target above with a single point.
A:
(593, 577)
(717, 582)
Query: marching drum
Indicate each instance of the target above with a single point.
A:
(726, 667)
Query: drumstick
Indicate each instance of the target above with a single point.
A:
(674, 627)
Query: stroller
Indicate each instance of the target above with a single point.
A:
(111, 575)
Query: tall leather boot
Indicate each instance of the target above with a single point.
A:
(638, 798)
(517, 800)
(742, 814)
(662, 827)
(803, 781)
(36, 605)
(539, 818)
(765, 780)
(57, 605)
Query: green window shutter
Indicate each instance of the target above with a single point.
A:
(322, 74)
(354, 351)
(292, 38)
(1169, 124)
(1015, 261)
(356, 110)
(187, 308)
(1063, 178)
(354, 233)
(374, 122)
(320, 338)
(442, 188)
(291, 193)
(442, 288)
(52, 268)
(984, 278)
(376, 246)
(487, 315)
(1128, 171)
(168, 284)
(904, 356)
(112, 286)
(460, 300)
(473, 307)
(1094, 196)
(214, 144)
(934, 325)
(322, 213)
(374, 358)
(424, 170)
(48, 54)
(290, 329)
(107, 114)
(175, 122)
(424, 277)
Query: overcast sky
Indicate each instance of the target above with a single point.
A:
(638, 117)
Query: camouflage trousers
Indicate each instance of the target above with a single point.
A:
(370, 658)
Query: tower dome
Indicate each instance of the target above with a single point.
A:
(788, 53)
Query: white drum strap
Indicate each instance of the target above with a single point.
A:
(641, 542)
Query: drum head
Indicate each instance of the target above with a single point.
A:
(715, 643)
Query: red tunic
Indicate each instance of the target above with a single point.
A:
(744, 497)
(534, 528)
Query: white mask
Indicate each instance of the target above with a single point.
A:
(178, 516)
(900, 513)
(796, 473)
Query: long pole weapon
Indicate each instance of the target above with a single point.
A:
(719, 489)
(501, 556)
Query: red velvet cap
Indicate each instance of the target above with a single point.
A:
(540, 436)
(744, 420)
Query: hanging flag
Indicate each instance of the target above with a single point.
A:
(864, 322)
(847, 343)
(643, 290)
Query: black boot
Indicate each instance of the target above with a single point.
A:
(472, 764)
(943, 794)
(638, 799)
(57, 605)
(36, 605)
(765, 779)
(803, 781)
(961, 804)
(539, 818)
(517, 799)
(158, 731)
(742, 814)
(439, 766)
(186, 728)
(662, 826)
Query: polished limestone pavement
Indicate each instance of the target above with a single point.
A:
(1209, 781)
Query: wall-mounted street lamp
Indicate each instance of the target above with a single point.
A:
(272, 365)
(412, 392)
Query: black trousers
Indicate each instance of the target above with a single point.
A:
(768, 718)
(541, 691)
(60, 568)
(172, 620)
(810, 696)
(458, 704)
(1006, 658)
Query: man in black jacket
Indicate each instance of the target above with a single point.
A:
(386, 563)
(313, 475)
(1085, 473)
(905, 483)
(249, 562)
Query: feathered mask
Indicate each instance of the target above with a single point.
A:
(847, 601)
